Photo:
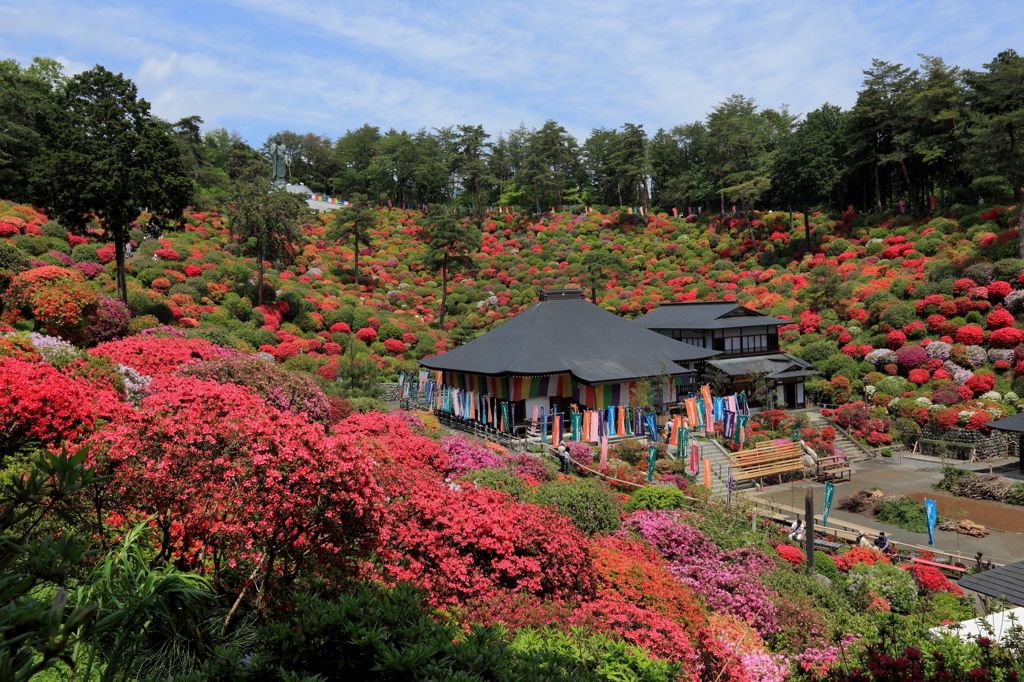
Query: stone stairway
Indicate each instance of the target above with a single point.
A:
(853, 451)
(719, 457)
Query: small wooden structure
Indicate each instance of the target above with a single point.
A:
(766, 459)
(833, 468)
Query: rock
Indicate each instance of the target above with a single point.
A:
(823, 580)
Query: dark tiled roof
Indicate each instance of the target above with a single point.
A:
(569, 335)
(1003, 582)
(705, 315)
(1013, 423)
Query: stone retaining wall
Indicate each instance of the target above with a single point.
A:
(960, 443)
(388, 392)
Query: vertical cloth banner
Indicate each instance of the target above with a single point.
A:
(830, 491)
(728, 488)
(604, 454)
(577, 426)
(652, 455)
(707, 473)
(930, 514)
(694, 460)
(652, 428)
(505, 416)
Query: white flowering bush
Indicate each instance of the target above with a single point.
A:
(923, 401)
(1010, 397)
(994, 396)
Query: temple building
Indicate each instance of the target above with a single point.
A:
(565, 350)
(747, 342)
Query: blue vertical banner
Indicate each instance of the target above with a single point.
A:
(930, 513)
(830, 491)
(652, 454)
(652, 427)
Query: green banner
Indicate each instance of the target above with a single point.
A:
(652, 454)
(830, 491)
(577, 425)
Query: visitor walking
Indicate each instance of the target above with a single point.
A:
(563, 456)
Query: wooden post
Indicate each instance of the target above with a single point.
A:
(753, 521)
(809, 525)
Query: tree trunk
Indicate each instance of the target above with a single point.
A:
(593, 294)
(444, 290)
(807, 232)
(122, 284)
(878, 189)
(911, 190)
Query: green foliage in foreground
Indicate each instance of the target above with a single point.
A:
(655, 498)
(381, 634)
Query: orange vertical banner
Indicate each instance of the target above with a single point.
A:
(707, 473)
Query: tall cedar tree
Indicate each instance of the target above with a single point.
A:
(266, 217)
(885, 104)
(355, 222)
(450, 246)
(997, 137)
(806, 168)
(105, 156)
(27, 101)
(599, 265)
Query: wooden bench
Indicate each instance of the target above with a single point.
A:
(948, 567)
(834, 546)
(766, 459)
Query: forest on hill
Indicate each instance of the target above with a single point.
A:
(935, 130)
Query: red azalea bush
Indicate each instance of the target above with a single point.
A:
(387, 438)
(859, 555)
(895, 339)
(1006, 337)
(930, 579)
(157, 354)
(790, 554)
(40, 406)
(394, 347)
(367, 335)
(236, 487)
(970, 334)
(458, 543)
(999, 318)
(57, 299)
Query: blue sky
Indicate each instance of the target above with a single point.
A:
(259, 66)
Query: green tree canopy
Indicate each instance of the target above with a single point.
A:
(451, 244)
(106, 157)
(266, 217)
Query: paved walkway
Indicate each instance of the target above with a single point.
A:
(913, 475)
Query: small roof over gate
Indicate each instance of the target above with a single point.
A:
(566, 333)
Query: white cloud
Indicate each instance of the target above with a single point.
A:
(264, 65)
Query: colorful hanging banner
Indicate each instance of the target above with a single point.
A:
(930, 514)
(707, 473)
(604, 454)
(830, 491)
(652, 455)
